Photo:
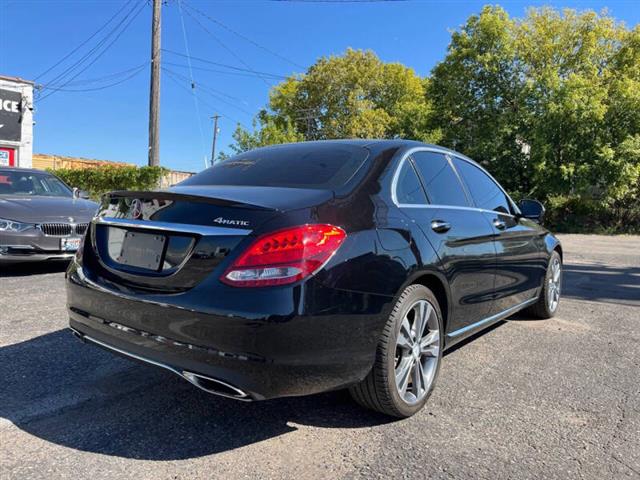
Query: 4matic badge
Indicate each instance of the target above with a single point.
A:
(226, 221)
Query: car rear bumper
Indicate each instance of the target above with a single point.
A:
(256, 354)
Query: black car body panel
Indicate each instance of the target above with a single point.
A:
(319, 333)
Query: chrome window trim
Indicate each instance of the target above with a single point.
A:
(170, 227)
(447, 153)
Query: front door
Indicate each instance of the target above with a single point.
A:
(460, 235)
(520, 265)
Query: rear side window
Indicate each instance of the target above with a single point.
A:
(485, 192)
(441, 182)
(408, 189)
(314, 165)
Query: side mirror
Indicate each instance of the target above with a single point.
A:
(77, 193)
(531, 209)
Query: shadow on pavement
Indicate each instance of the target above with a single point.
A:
(36, 268)
(602, 283)
(80, 397)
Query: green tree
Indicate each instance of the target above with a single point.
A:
(354, 95)
(550, 103)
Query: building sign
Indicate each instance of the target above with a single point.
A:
(10, 115)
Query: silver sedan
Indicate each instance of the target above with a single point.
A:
(41, 218)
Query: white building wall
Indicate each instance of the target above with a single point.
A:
(24, 148)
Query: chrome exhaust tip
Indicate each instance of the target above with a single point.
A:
(215, 386)
(208, 384)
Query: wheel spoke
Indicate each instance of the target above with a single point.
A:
(405, 340)
(422, 312)
(403, 373)
(417, 378)
(432, 338)
(556, 272)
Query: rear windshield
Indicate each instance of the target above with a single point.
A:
(315, 166)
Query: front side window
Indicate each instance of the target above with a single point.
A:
(440, 181)
(484, 191)
(408, 189)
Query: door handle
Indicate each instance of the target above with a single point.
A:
(499, 224)
(440, 226)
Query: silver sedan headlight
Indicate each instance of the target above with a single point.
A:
(13, 226)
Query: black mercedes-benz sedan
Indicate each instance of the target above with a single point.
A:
(297, 269)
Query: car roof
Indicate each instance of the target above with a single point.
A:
(20, 169)
(376, 144)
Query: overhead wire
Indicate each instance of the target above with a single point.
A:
(110, 76)
(193, 83)
(60, 76)
(178, 82)
(244, 37)
(225, 65)
(215, 93)
(87, 40)
(125, 26)
(228, 49)
(102, 87)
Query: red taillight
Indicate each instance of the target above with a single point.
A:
(285, 256)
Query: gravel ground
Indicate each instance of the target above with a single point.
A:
(527, 399)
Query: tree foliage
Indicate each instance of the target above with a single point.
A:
(104, 179)
(550, 103)
(354, 95)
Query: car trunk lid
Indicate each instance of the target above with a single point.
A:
(169, 241)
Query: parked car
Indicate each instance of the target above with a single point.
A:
(41, 218)
(302, 268)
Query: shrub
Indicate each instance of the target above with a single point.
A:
(100, 180)
(574, 214)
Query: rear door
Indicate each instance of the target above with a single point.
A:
(520, 262)
(460, 235)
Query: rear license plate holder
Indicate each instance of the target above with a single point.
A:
(142, 250)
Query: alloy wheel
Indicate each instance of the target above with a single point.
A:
(553, 284)
(417, 352)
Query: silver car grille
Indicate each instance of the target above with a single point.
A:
(63, 229)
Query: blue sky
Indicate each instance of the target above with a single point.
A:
(111, 123)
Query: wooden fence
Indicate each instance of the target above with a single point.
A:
(42, 162)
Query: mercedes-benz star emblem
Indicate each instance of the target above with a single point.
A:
(136, 209)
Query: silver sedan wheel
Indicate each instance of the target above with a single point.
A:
(553, 285)
(417, 352)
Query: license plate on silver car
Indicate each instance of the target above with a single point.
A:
(142, 250)
(69, 244)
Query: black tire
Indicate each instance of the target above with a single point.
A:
(543, 308)
(378, 391)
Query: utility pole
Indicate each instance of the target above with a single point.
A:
(154, 91)
(215, 137)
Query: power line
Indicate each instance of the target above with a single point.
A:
(244, 37)
(193, 83)
(93, 89)
(58, 78)
(224, 45)
(225, 65)
(99, 79)
(212, 107)
(95, 59)
(84, 42)
(213, 92)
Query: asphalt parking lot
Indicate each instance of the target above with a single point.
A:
(528, 399)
